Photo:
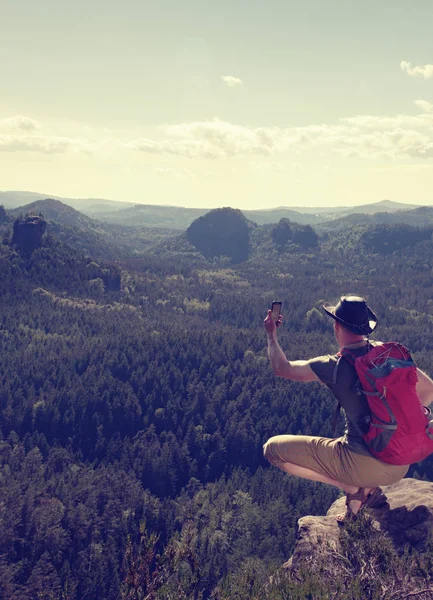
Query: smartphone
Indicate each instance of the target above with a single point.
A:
(276, 310)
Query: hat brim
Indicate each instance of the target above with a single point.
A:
(366, 329)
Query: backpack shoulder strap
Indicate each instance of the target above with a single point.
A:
(337, 411)
(350, 357)
(335, 419)
(335, 372)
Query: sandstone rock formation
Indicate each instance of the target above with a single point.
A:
(406, 517)
(221, 232)
(287, 232)
(112, 278)
(28, 233)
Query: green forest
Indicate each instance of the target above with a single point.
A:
(136, 396)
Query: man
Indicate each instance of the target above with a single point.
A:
(346, 461)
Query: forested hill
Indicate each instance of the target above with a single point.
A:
(132, 419)
(92, 237)
(231, 235)
(418, 217)
(180, 218)
(57, 211)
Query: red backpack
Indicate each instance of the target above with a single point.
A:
(400, 432)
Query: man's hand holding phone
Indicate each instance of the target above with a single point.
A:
(274, 318)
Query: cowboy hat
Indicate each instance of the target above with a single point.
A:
(354, 314)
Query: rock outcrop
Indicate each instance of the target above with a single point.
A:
(28, 233)
(386, 553)
(287, 232)
(406, 517)
(112, 278)
(221, 232)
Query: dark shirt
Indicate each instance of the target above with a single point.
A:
(343, 382)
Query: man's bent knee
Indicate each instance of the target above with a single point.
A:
(269, 451)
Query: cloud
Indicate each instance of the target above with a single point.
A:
(40, 144)
(425, 71)
(23, 134)
(383, 122)
(211, 139)
(366, 136)
(189, 148)
(231, 81)
(424, 105)
(19, 123)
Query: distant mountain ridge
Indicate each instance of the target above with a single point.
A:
(226, 232)
(418, 217)
(89, 206)
(381, 206)
(176, 217)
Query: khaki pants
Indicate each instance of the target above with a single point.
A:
(332, 458)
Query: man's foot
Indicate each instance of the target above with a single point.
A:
(360, 500)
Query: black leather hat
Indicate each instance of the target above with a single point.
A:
(354, 314)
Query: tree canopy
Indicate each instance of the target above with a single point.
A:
(136, 395)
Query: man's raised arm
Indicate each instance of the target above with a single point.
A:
(298, 370)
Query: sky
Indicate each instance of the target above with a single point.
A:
(199, 103)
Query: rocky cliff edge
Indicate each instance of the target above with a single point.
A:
(400, 529)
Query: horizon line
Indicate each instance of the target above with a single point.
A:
(280, 207)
